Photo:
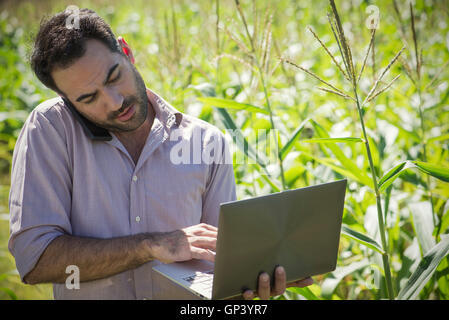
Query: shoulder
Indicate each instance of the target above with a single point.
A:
(207, 129)
(188, 125)
(214, 145)
(50, 119)
(53, 110)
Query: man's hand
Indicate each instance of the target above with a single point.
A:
(195, 242)
(265, 290)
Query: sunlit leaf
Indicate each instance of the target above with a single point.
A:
(445, 222)
(425, 270)
(439, 138)
(442, 274)
(231, 104)
(305, 292)
(246, 148)
(434, 170)
(288, 146)
(361, 238)
(390, 176)
(347, 163)
(331, 282)
(205, 88)
(423, 224)
(331, 163)
(333, 140)
(9, 292)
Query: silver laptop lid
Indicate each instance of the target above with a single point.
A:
(298, 229)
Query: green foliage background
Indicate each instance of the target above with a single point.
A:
(176, 50)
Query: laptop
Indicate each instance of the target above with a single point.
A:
(298, 229)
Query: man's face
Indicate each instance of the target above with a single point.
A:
(105, 88)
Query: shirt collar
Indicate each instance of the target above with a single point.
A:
(166, 113)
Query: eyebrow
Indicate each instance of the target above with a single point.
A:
(111, 70)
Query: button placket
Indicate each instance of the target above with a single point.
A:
(134, 205)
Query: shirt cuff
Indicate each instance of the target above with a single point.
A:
(28, 246)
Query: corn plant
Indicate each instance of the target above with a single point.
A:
(349, 72)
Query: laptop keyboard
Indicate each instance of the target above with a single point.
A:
(202, 277)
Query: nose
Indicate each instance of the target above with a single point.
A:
(113, 99)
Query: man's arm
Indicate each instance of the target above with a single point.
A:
(101, 258)
(221, 185)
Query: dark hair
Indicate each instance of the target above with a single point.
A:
(58, 45)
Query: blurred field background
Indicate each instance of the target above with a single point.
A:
(190, 50)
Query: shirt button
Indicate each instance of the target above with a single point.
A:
(134, 178)
(137, 219)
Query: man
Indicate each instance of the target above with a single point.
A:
(93, 184)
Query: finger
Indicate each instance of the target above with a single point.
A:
(204, 254)
(205, 232)
(203, 242)
(208, 227)
(199, 229)
(301, 283)
(263, 291)
(248, 295)
(280, 279)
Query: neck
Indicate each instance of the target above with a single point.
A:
(135, 139)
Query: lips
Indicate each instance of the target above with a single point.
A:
(128, 113)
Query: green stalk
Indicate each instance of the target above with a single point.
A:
(217, 34)
(267, 101)
(421, 115)
(281, 166)
(424, 147)
(347, 56)
(385, 258)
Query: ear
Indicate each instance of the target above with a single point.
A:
(126, 49)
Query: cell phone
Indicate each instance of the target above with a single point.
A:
(91, 129)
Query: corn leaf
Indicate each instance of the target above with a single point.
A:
(305, 292)
(362, 177)
(231, 104)
(439, 138)
(9, 292)
(445, 222)
(434, 170)
(429, 168)
(271, 183)
(390, 176)
(238, 136)
(331, 163)
(442, 274)
(423, 224)
(425, 270)
(288, 146)
(246, 147)
(333, 140)
(205, 88)
(331, 282)
(361, 238)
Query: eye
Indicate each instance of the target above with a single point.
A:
(92, 99)
(116, 78)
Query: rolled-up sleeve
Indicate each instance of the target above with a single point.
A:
(40, 194)
(221, 185)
